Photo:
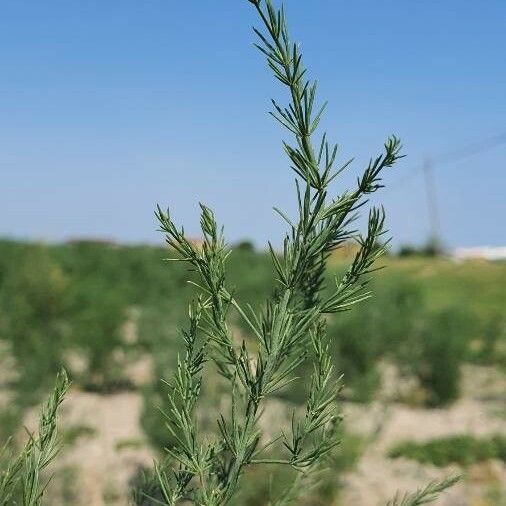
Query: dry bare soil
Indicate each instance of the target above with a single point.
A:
(109, 448)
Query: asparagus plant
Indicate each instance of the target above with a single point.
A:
(291, 329)
(424, 495)
(21, 480)
(289, 332)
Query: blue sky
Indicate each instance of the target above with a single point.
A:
(111, 107)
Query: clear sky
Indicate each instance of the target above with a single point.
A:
(109, 107)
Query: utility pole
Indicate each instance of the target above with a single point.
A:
(432, 204)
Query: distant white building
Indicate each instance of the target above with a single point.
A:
(480, 252)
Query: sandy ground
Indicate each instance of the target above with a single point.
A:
(377, 478)
(108, 449)
(97, 468)
(481, 411)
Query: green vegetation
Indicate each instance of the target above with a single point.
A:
(61, 309)
(429, 345)
(33, 307)
(289, 331)
(263, 327)
(425, 494)
(71, 434)
(21, 480)
(464, 450)
(44, 310)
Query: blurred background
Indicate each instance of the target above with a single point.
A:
(110, 108)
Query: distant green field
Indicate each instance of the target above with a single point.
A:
(478, 286)
(56, 300)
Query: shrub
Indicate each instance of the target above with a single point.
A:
(432, 248)
(371, 332)
(357, 348)
(489, 349)
(97, 321)
(437, 352)
(33, 319)
(462, 449)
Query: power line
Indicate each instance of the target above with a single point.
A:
(452, 156)
(471, 149)
(427, 168)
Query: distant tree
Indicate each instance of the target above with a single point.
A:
(245, 246)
